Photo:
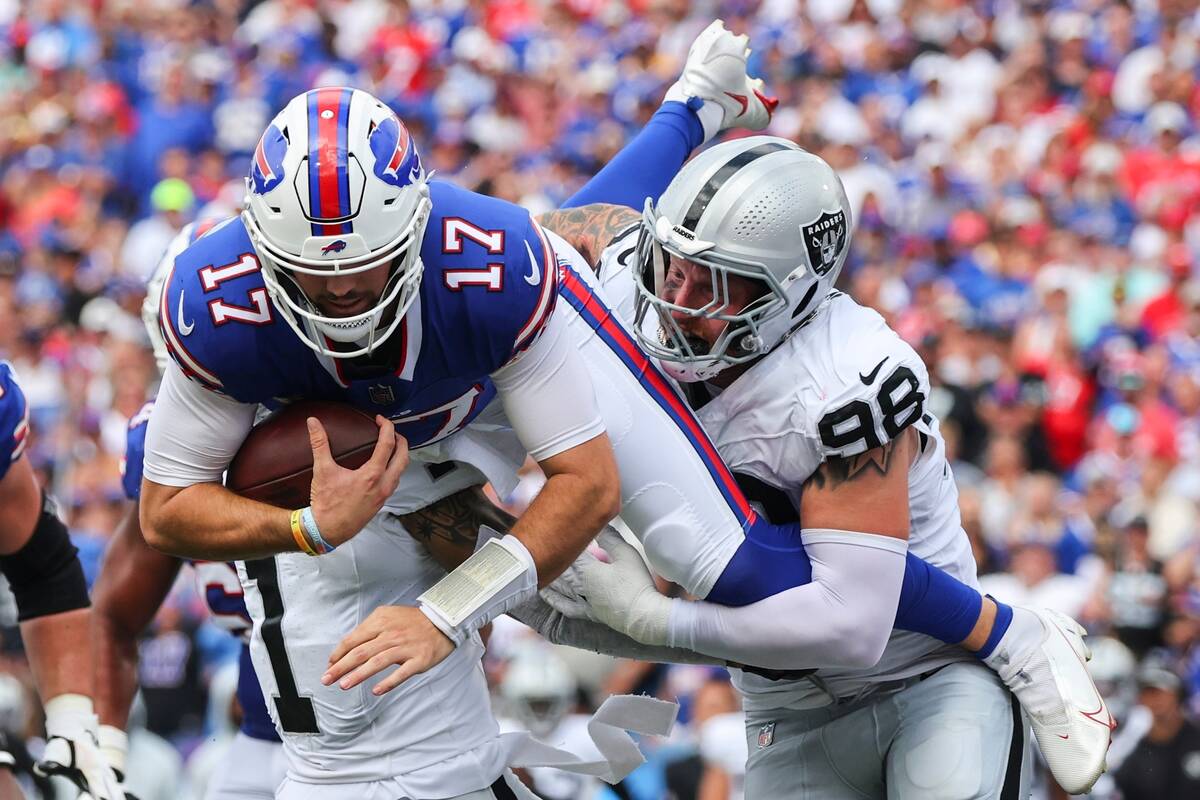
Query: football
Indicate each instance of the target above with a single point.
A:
(274, 464)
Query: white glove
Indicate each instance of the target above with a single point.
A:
(586, 634)
(715, 72)
(620, 594)
(114, 747)
(72, 750)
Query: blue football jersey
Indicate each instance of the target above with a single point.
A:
(489, 285)
(217, 582)
(14, 419)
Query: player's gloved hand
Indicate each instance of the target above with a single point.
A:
(114, 747)
(344, 500)
(620, 594)
(72, 750)
(715, 72)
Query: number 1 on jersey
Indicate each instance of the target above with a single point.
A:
(295, 711)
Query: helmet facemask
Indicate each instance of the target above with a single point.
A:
(659, 333)
(401, 256)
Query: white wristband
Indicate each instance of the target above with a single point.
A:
(500, 575)
(70, 716)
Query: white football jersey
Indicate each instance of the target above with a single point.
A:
(842, 384)
(434, 733)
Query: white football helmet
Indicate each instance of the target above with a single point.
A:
(540, 689)
(760, 208)
(336, 187)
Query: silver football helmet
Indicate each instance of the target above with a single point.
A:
(539, 688)
(760, 208)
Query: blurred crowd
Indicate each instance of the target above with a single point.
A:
(1025, 181)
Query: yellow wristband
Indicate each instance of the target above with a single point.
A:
(298, 534)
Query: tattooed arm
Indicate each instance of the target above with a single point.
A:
(449, 527)
(867, 492)
(591, 228)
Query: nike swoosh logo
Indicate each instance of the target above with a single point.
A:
(771, 103)
(742, 100)
(869, 378)
(1092, 715)
(184, 327)
(535, 273)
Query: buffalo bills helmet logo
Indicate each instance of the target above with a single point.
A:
(267, 170)
(396, 159)
(334, 247)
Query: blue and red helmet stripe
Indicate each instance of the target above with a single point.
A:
(328, 160)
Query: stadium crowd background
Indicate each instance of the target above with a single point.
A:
(1025, 178)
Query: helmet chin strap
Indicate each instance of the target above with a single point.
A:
(350, 332)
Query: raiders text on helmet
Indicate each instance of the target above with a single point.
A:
(759, 208)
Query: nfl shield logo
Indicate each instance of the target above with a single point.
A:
(766, 735)
(381, 395)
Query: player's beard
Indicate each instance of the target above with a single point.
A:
(697, 345)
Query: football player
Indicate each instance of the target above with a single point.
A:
(44, 573)
(351, 276)
(820, 407)
(132, 585)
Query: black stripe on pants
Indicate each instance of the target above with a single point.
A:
(502, 790)
(1016, 753)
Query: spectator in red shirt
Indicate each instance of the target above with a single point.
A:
(1165, 314)
(1163, 179)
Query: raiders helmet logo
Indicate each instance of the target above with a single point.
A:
(825, 239)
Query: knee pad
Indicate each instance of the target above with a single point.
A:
(45, 575)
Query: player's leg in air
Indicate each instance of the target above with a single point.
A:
(44, 573)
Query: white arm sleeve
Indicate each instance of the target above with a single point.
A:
(842, 619)
(193, 433)
(546, 391)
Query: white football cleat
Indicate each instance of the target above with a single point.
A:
(715, 71)
(1069, 718)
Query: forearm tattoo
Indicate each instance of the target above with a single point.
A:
(456, 519)
(590, 229)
